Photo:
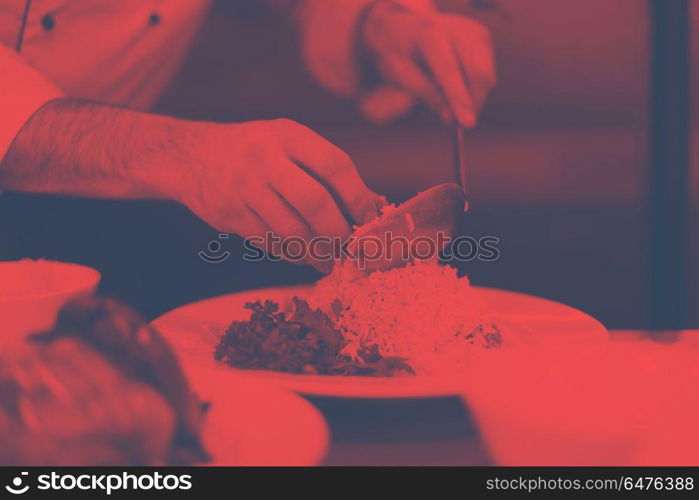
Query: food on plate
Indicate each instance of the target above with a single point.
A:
(301, 341)
(101, 388)
(422, 312)
(417, 319)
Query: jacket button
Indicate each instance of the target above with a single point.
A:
(154, 19)
(48, 22)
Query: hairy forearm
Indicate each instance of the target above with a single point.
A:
(81, 148)
(258, 178)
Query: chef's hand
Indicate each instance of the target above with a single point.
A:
(249, 178)
(278, 177)
(445, 61)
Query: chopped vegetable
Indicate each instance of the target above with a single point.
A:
(307, 341)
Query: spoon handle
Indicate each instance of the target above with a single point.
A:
(459, 161)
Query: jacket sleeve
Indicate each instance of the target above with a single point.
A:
(23, 90)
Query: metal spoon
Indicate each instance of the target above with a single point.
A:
(459, 161)
(392, 239)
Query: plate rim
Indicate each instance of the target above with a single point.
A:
(356, 386)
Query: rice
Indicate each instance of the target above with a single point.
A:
(423, 312)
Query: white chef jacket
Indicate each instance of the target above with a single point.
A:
(125, 51)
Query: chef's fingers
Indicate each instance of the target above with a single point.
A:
(319, 210)
(334, 169)
(440, 58)
(477, 61)
(386, 104)
(312, 201)
(405, 73)
(258, 233)
(290, 231)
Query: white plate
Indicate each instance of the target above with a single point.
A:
(255, 423)
(193, 331)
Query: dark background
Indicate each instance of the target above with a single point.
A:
(557, 169)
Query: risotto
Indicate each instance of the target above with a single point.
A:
(421, 319)
(422, 312)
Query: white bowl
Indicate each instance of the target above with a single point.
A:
(33, 291)
(578, 405)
